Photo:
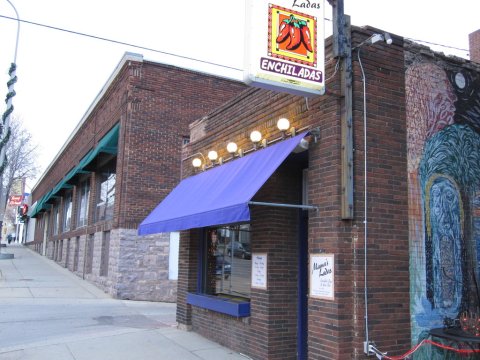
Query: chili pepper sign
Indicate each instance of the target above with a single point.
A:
(285, 46)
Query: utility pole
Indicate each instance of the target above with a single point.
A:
(342, 49)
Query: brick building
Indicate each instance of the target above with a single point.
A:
(259, 225)
(344, 229)
(123, 157)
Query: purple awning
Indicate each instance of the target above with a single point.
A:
(220, 195)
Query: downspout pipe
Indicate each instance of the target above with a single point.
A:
(369, 348)
(365, 201)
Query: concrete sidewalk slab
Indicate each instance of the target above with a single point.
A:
(47, 312)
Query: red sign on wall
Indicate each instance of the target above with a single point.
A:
(15, 200)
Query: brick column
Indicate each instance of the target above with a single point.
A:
(474, 42)
(187, 275)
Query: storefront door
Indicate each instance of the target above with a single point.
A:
(302, 327)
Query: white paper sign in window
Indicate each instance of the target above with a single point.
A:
(259, 271)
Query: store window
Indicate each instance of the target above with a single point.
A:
(41, 225)
(84, 194)
(67, 212)
(106, 196)
(227, 266)
(56, 218)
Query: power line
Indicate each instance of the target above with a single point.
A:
(432, 43)
(175, 55)
(119, 42)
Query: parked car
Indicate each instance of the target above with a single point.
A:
(247, 254)
(222, 267)
(241, 250)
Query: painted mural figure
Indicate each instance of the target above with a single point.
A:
(443, 148)
(430, 108)
(444, 235)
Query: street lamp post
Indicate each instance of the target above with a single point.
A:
(5, 128)
(5, 125)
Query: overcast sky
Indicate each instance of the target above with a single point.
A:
(61, 73)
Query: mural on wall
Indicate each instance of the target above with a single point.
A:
(443, 147)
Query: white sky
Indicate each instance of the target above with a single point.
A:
(60, 74)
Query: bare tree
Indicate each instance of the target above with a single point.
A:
(21, 159)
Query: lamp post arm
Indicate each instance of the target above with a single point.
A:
(18, 31)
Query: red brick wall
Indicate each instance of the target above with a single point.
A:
(336, 329)
(167, 100)
(387, 197)
(187, 274)
(154, 104)
(474, 42)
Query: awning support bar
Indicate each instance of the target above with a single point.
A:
(303, 207)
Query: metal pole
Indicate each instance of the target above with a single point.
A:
(18, 31)
(303, 207)
(11, 93)
(6, 117)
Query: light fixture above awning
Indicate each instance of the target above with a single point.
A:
(220, 195)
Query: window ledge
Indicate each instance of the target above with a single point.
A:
(220, 304)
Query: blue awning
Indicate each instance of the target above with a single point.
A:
(220, 195)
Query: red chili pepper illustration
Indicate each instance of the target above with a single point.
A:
(306, 38)
(295, 36)
(283, 31)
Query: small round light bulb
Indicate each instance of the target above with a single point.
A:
(232, 147)
(255, 136)
(283, 124)
(212, 155)
(196, 163)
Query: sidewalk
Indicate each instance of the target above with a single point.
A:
(46, 312)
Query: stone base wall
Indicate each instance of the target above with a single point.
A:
(142, 267)
(119, 262)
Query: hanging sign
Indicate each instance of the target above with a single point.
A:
(322, 276)
(15, 200)
(285, 47)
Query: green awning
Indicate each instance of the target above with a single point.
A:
(63, 184)
(78, 170)
(60, 186)
(107, 145)
(41, 204)
(32, 210)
